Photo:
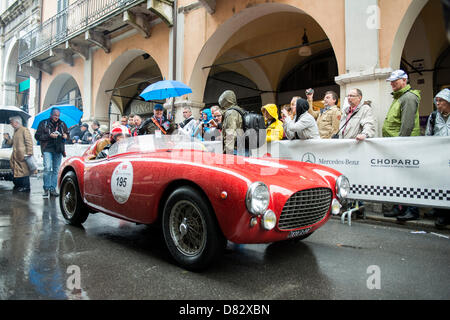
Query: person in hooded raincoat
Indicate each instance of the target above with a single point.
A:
(232, 122)
(438, 124)
(203, 125)
(274, 126)
(300, 125)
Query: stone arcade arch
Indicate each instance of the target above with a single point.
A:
(213, 46)
(403, 31)
(64, 89)
(425, 43)
(441, 74)
(10, 73)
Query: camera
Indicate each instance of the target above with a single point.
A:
(57, 133)
(309, 91)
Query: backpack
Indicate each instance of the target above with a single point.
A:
(253, 125)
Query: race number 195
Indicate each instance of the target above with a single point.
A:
(122, 182)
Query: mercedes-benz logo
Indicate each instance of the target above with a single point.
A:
(309, 158)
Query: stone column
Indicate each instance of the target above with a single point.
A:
(362, 58)
(86, 95)
(180, 104)
(374, 87)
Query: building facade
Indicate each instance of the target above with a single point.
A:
(100, 54)
(17, 18)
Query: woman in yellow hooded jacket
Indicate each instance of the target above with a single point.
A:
(273, 125)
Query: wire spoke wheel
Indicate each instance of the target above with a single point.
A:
(190, 229)
(71, 203)
(187, 228)
(69, 199)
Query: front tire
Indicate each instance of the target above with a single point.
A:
(71, 204)
(190, 229)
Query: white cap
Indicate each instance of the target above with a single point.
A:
(396, 75)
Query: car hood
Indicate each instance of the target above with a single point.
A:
(285, 173)
(290, 175)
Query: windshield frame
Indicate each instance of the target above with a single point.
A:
(155, 143)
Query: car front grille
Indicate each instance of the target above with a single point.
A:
(305, 208)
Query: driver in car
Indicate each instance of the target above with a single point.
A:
(101, 146)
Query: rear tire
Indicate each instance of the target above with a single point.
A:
(71, 204)
(190, 229)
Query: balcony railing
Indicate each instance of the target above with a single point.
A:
(69, 23)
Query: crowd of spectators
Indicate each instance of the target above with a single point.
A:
(354, 119)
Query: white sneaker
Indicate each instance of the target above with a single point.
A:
(46, 194)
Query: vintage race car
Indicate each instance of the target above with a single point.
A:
(199, 197)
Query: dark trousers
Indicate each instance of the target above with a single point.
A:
(23, 182)
(444, 213)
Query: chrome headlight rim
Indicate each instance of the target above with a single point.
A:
(249, 198)
(342, 184)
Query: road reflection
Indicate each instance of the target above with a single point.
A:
(31, 250)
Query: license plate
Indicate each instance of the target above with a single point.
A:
(298, 233)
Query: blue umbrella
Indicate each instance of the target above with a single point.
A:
(165, 89)
(70, 115)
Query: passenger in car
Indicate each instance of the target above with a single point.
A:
(99, 151)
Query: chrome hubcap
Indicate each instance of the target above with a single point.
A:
(184, 228)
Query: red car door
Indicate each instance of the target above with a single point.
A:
(129, 190)
(94, 182)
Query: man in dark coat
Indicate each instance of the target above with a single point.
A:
(86, 136)
(157, 123)
(52, 134)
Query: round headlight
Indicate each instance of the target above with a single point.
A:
(258, 198)
(269, 220)
(342, 188)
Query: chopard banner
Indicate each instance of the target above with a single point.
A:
(414, 171)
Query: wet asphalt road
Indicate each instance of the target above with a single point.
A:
(120, 260)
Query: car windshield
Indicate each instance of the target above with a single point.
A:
(151, 143)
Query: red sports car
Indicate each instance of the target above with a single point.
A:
(201, 198)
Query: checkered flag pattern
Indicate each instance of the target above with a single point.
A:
(401, 192)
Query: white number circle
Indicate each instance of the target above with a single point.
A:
(122, 182)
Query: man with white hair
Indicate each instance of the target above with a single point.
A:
(22, 148)
(187, 127)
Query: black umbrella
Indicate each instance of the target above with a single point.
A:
(7, 112)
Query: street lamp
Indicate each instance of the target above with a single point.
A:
(305, 49)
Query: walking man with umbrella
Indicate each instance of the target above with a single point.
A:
(51, 134)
